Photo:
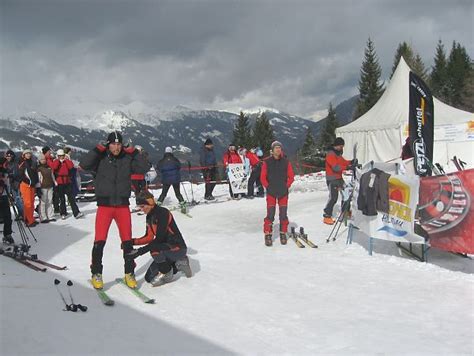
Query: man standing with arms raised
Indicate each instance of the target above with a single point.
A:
(113, 164)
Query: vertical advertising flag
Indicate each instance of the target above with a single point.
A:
(421, 124)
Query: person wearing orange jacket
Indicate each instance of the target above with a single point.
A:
(62, 171)
(29, 181)
(231, 156)
(335, 165)
(277, 176)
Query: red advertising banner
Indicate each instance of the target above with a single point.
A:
(447, 211)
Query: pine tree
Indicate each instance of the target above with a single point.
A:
(406, 51)
(242, 131)
(458, 70)
(309, 152)
(467, 97)
(419, 68)
(370, 88)
(328, 132)
(263, 133)
(439, 75)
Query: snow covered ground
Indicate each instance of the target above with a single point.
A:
(244, 298)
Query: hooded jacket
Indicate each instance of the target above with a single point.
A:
(112, 173)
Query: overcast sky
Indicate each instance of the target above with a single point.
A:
(295, 56)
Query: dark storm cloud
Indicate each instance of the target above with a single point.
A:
(293, 55)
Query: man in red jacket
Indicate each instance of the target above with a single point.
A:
(335, 165)
(62, 170)
(277, 176)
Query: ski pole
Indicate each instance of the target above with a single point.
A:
(71, 307)
(82, 308)
(193, 202)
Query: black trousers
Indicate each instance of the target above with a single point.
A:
(334, 187)
(210, 175)
(56, 199)
(6, 215)
(65, 190)
(255, 179)
(163, 261)
(177, 192)
(138, 185)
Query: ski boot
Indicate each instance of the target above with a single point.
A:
(162, 278)
(329, 220)
(268, 240)
(283, 238)
(183, 266)
(97, 281)
(8, 239)
(130, 280)
(182, 207)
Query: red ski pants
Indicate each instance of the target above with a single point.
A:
(271, 209)
(104, 217)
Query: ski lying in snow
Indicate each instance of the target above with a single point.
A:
(44, 263)
(135, 292)
(295, 239)
(16, 252)
(23, 261)
(307, 241)
(178, 208)
(105, 299)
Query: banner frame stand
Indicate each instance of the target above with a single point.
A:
(409, 251)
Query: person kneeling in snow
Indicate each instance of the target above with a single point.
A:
(164, 242)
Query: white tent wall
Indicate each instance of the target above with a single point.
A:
(381, 132)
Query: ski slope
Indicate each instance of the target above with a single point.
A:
(244, 298)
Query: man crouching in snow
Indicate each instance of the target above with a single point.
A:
(164, 242)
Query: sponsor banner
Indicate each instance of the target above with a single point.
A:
(421, 124)
(238, 179)
(398, 224)
(447, 212)
(455, 132)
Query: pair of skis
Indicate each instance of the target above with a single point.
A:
(106, 300)
(30, 261)
(300, 237)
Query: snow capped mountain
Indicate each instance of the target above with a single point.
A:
(149, 126)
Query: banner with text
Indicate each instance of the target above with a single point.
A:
(238, 178)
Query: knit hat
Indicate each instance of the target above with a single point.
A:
(10, 153)
(114, 137)
(145, 198)
(60, 152)
(168, 149)
(208, 142)
(45, 149)
(27, 151)
(339, 141)
(276, 143)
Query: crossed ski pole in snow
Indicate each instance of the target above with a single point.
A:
(69, 307)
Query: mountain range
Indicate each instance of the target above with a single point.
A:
(183, 129)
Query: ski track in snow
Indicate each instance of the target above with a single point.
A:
(244, 298)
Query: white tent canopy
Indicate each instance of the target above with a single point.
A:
(381, 132)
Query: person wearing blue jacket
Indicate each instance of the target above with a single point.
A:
(170, 167)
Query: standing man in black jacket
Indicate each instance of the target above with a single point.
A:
(113, 165)
(208, 162)
(276, 176)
